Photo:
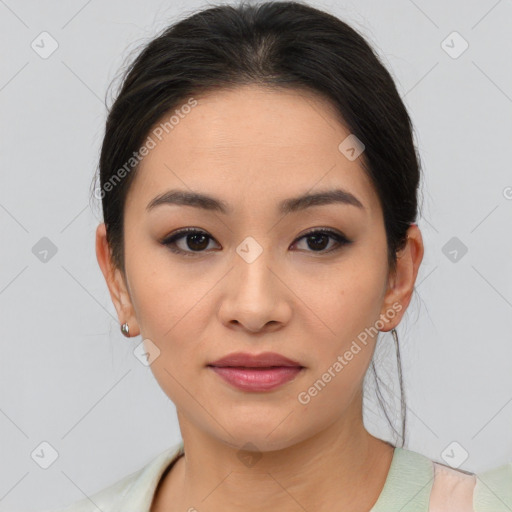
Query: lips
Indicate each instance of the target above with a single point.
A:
(256, 372)
(257, 379)
(247, 360)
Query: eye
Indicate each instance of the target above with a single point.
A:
(318, 237)
(197, 241)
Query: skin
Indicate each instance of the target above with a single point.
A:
(254, 147)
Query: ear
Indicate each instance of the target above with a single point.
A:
(116, 282)
(401, 283)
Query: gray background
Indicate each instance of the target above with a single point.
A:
(69, 377)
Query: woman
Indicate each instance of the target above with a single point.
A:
(259, 189)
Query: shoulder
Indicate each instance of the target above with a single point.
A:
(132, 492)
(493, 490)
(107, 499)
(416, 482)
(463, 491)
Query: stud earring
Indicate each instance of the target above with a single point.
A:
(125, 330)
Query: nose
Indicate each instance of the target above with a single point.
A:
(256, 296)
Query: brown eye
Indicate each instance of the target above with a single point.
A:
(318, 240)
(196, 241)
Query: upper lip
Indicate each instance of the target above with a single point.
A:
(263, 360)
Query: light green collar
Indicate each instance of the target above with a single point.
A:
(408, 484)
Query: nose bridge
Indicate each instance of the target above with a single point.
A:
(253, 265)
(254, 296)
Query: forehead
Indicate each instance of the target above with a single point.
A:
(251, 143)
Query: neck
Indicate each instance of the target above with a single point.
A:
(332, 468)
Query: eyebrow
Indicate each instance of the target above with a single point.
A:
(291, 205)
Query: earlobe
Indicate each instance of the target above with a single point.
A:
(115, 281)
(403, 280)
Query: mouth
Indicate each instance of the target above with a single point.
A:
(256, 372)
(257, 378)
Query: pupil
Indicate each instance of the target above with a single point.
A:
(193, 237)
(315, 240)
(201, 246)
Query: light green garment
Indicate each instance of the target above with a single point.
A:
(407, 487)
(493, 491)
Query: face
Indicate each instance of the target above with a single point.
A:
(309, 282)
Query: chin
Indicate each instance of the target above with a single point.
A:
(258, 443)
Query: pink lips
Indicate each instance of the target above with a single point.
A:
(261, 372)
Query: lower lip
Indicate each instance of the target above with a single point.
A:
(253, 379)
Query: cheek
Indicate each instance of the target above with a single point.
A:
(161, 295)
(172, 312)
(346, 296)
(348, 303)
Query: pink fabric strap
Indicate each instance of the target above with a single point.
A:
(452, 490)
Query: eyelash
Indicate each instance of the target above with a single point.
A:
(170, 241)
